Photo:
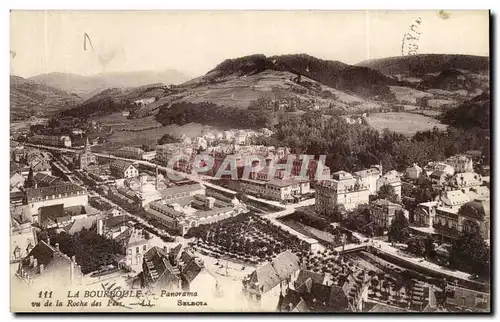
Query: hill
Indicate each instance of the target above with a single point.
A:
(28, 98)
(418, 65)
(472, 113)
(114, 100)
(87, 86)
(358, 80)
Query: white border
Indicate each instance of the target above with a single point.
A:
(192, 5)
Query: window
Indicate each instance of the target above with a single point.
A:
(144, 248)
(137, 249)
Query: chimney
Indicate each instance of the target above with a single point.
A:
(35, 263)
(42, 268)
(48, 241)
(73, 259)
(57, 246)
(99, 227)
(31, 260)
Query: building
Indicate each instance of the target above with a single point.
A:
(22, 239)
(176, 270)
(383, 212)
(433, 166)
(68, 194)
(166, 152)
(144, 101)
(52, 140)
(465, 181)
(265, 286)
(123, 169)
(129, 152)
(439, 178)
(45, 180)
(370, 177)
(47, 266)
(58, 216)
(273, 189)
(149, 155)
(414, 172)
(393, 179)
(16, 180)
(345, 191)
(461, 163)
(188, 212)
(311, 293)
(455, 212)
(466, 299)
(136, 246)
(86, 158)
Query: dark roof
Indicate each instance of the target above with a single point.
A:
(54, 211)
(304, 275)
(120, 165)
(42, 252)
(437, 174)
(45, 178)
(480, 207)
(115, 221)
(53, 190)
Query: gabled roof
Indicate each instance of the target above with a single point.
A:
(266, 277)
(120, 165)
(304, 275)
(45, 178)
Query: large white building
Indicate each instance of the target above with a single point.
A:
(345, 190)
(68, 194)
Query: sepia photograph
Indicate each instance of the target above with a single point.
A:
(293, 161)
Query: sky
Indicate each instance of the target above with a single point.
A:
(194, 42)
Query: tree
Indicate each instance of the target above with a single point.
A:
(387, 192)
(416, 246)
(167, 138)
(30, 181)
(471, 253)
(430, 251)
(399, 229)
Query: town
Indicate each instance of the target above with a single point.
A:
(278, 230)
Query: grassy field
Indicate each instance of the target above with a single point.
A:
(402, 122)
(143, 131)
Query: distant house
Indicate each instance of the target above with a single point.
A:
(123, 169)
(414, 171)
(130, 152)
(382, 212)
(438, 177)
